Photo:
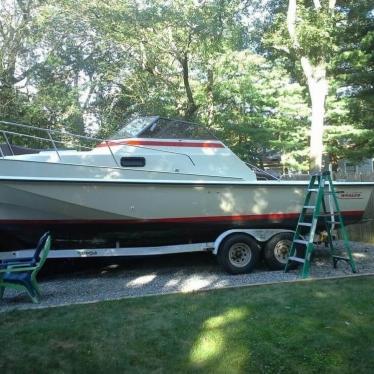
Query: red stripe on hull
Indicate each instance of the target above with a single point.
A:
(223, 219)
(162, 143)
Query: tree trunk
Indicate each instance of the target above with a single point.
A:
(317, 86)
(316, 130)
(191, 106)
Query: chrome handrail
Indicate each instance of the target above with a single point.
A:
(54, 145)
(4, 132)
(51, 131)
(53, 141)
(7, 142)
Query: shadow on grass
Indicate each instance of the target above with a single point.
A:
(324, 326)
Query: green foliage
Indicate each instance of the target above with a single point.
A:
(87, 65)
(342, 40)
(315, 31)
(257, 108)
(353, 69)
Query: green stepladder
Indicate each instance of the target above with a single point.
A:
(314, 210)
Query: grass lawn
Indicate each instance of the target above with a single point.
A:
(318, 326)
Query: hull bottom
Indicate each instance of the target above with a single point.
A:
(94, 234)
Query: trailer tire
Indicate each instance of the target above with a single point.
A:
(238, 254)
(276, 251)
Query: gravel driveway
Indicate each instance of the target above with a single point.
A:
(113, 278)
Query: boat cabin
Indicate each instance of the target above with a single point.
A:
(159, 147)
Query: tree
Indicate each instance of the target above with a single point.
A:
(192, 61)
(257, 109)
(310, 42)
(94, 62)
(50, 64)
(353, 71)
(303, 32)
(169, 44)
(328, 47)
(18, 38)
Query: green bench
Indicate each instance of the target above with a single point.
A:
(21, 273)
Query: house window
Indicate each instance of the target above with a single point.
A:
(133, 162)
(350, 168)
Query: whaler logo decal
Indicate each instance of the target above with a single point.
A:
(350, 195)
(86, 253)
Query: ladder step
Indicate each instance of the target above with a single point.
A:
(340, 258)
(297, 259)
(307, 224)
(334, 222)
(328, 214)
(298, 241)
(312, 189)
(309, 207)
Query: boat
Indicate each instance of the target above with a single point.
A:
(156, 183)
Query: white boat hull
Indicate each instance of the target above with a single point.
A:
(165, 212)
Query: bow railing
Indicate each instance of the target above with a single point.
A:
(33, 139)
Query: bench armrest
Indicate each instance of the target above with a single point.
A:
(18, 269)
(16, 260)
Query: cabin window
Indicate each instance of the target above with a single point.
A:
(133, 162)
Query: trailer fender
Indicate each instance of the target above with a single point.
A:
(261, 235)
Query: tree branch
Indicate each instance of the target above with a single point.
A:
(291, 23)
(2, 32)
(332, 4)
(89, 95)
(282, 48)
(317, 4)
(209, 92)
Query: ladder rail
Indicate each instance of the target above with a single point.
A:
(321, 209)
(342, 228)
(297, 235)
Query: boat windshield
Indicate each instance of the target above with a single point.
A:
(163, 128)
(133, 128)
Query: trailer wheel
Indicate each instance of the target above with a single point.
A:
(276, 251)
(238, 254)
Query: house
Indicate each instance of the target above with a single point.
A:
(364, 167)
